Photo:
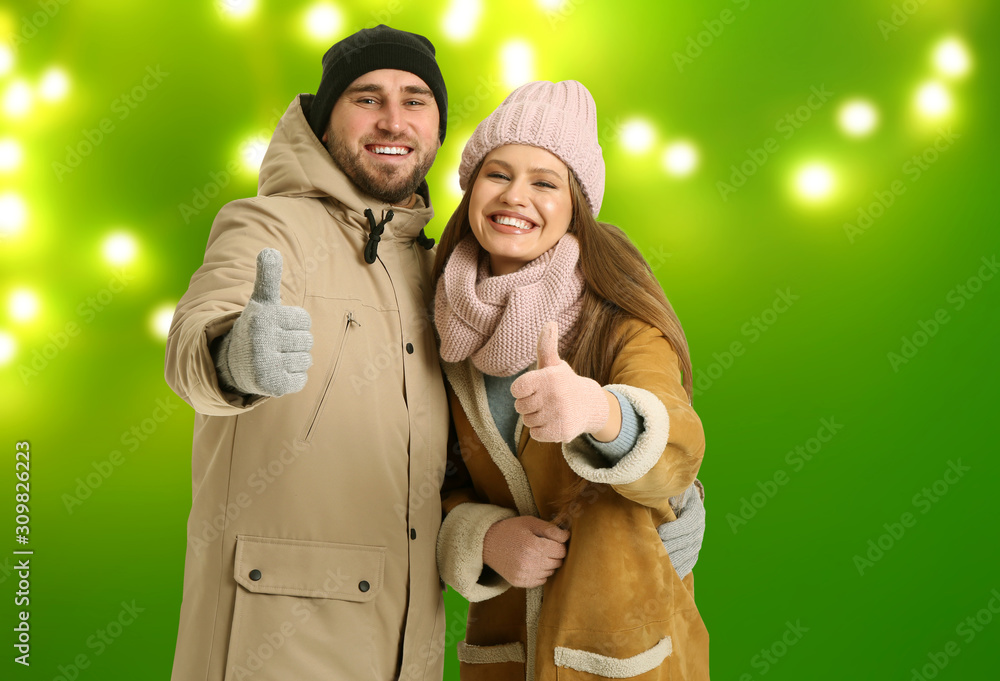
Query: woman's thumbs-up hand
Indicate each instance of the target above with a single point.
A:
(556, 403)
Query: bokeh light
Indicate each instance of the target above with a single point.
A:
(8, 348)
(680, 158)
(252, 153)
(6, 60)
(461, 19)
(323, 22)
(933, 100)
(17, 99)
(237, 9)
(814, 182)
(518, 59)
(10, 154)
(951, 58)
(637, 135)
(159, 320)
(120, 248)
(858, 118)
(23, 305)
(13, 214)
(551, 5)
(54, 85)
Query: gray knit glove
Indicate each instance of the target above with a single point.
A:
(267, 350)
(682, 538)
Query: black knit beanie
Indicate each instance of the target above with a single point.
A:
(371, 49)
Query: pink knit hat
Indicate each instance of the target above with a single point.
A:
(558, 117)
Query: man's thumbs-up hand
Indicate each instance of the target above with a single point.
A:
(267, 350)
(556, 403)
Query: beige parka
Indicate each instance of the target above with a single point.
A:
(314, 516)
(616, 608)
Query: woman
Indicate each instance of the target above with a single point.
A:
(551, 320)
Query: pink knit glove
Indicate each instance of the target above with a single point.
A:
(556, 403)
(524, 550)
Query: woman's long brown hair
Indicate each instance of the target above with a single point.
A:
(619, 285)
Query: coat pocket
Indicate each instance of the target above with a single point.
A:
(305, 610)
(612, 667)
(348, 320)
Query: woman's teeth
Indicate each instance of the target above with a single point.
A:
(512, 222)
(401, 151)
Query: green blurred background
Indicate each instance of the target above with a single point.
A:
(127, 125)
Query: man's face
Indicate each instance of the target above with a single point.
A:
(383, 133)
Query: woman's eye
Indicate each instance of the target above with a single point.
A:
(499, 176)
(546, 185)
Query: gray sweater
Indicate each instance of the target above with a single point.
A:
(502, 408)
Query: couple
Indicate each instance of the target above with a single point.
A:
(326, 512)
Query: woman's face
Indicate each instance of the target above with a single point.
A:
(520, 205)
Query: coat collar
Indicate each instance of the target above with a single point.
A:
(297, 164)
(470, 388)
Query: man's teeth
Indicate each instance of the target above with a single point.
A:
(512, 222)
(392, 150)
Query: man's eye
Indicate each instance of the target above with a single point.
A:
(415, 101)
(366, 100)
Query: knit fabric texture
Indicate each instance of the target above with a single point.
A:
(558, 117)
(267, 350)
(496, 320)
(683, 537)
(371, 49)
(501, 404)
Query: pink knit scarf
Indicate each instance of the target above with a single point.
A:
(496, 319)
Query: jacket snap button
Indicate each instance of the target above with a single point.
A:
(364, 586)
(409, 348)
(413, 534)
(255, 575)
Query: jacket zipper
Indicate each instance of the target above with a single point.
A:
(332, 377)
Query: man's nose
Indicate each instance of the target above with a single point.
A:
(391, 119)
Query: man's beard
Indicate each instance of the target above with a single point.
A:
(383, 182)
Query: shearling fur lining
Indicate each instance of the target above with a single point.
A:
(506, 652)
(470, 388)
(586, 462)
(460, 549)
(467, 382)
(614, 667)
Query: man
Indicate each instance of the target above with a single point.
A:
(315, 511)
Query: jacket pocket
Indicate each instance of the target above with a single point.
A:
(612, 667)
(305, 610)
(505, 652)
(349, 320)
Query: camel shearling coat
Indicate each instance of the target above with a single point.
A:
(314, 518)
(616, 607)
